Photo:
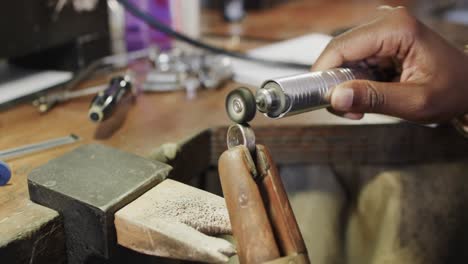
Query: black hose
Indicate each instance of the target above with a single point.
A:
(158, 25)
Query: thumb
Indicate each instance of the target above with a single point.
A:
(390, 98)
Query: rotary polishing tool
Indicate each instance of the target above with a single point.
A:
(286, 96)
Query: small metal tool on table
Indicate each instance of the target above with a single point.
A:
(45, 102)
(36, 147)
(105, 102)
(5, 171)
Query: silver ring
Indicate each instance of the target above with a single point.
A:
(241, 135)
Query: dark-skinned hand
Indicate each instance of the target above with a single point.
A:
(432, 87)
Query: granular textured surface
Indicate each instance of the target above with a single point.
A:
(200, 212)
(175, 220)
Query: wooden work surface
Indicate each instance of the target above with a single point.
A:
(156, 118)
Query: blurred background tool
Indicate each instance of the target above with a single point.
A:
(46, 102)
(105, 102)
(176, 69)
(262, 220)
(31, 148)
(233, 10)
(43, 103)
(5, 173)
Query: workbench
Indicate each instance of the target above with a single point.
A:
(154, 118)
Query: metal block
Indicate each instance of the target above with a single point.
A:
(87, 186)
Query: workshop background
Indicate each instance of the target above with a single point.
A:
(80, 72)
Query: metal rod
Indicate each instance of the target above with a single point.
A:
(31, 148)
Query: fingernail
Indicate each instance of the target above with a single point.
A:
(353, 116)
(342, 99)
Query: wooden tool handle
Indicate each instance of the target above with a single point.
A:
(250, 225)
(277, 204)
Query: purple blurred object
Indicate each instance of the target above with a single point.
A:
(138, 34)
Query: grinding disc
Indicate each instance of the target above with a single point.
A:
(240, 105)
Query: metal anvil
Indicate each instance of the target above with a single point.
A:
(111, 200)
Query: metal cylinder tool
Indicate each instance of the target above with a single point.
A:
(296, 94)
(291, 95)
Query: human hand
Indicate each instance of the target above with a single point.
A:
(432, 87)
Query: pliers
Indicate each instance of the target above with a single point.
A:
(262, 220)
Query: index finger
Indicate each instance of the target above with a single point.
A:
(383, 37)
